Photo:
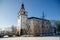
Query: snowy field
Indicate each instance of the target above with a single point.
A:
(31, 38)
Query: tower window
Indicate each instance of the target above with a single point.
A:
(24, 12)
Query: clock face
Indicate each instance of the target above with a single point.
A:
(23, 17)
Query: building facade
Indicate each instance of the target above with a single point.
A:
(31, 25)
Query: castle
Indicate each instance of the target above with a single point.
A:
(32, 25)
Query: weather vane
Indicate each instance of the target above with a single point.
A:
(20, 1)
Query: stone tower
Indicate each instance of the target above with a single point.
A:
(22, 17)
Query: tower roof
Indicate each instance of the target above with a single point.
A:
(22, 7)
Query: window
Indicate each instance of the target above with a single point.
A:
(24, 12)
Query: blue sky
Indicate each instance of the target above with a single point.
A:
(10, 8)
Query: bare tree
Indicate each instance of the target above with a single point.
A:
(57, 26)
(14, 29)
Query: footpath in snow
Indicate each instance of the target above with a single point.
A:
(31, 38)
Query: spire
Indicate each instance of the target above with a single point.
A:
(43, 16)
(22, 7)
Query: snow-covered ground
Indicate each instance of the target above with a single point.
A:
(31, 38)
